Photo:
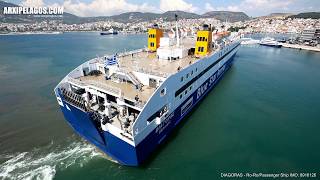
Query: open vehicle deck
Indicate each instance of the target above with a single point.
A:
(148, 62)
(127, 90)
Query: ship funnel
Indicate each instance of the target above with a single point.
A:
(154, 35)
(204, 41)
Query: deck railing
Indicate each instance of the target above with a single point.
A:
(111, 89)
(108, 88)
(74, 99)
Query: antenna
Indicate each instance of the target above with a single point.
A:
(177, 30)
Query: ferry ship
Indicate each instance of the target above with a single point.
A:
(249, 41)
(110, 32)
(270, 42)
(127, 104)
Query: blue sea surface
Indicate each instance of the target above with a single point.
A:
(262, 117)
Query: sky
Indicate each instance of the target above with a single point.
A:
(252, 8)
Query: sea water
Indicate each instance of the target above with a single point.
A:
(264, 115)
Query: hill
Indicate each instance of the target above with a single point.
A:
(280, 14)
(275, 15)
(131, 17)
(227, 16)
(306, 15)
(72, 19)
(170, 15)
(128, 17)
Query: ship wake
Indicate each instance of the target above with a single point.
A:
(39, 164)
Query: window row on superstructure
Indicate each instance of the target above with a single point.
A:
(202, 39)
(188, 84)
(152, 36)
(189, 74)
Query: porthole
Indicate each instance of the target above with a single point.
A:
(163, 92)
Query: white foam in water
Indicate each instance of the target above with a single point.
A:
(38, 164)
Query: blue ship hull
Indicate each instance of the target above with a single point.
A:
(120, 150)
(109, 33)
(271, 45)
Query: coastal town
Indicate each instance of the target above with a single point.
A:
(272, 24)
(303, 31)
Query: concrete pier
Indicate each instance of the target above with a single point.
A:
(297, 46)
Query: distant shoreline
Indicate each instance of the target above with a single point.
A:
(301, 47)
(59, 32)
(30, 33)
